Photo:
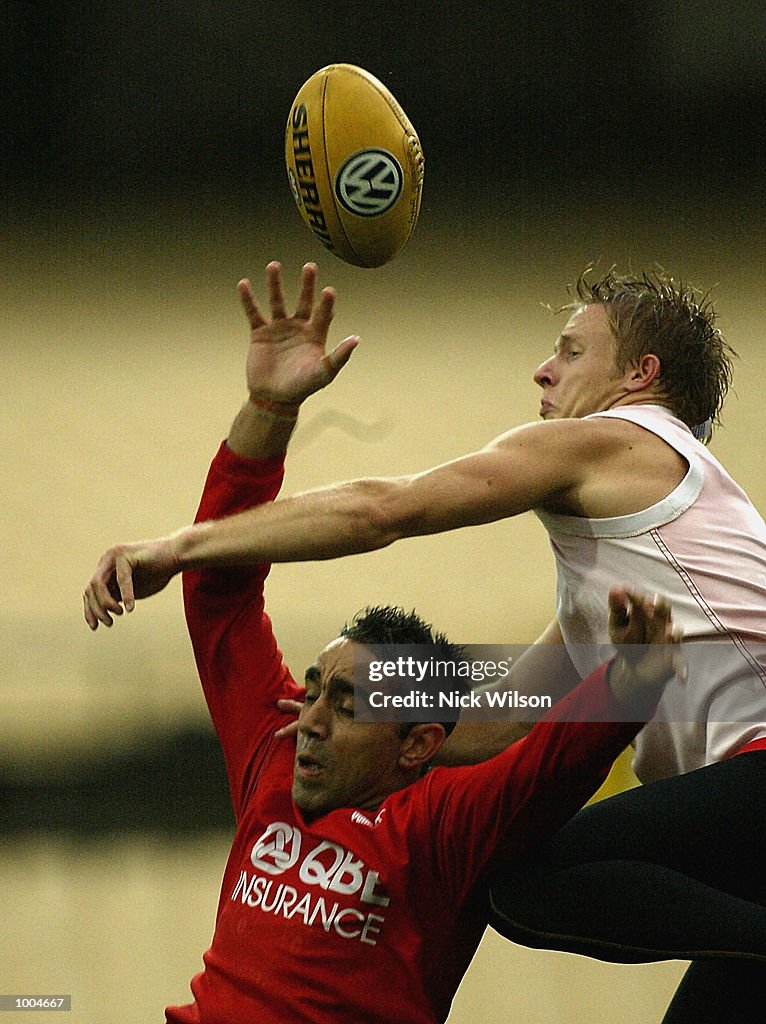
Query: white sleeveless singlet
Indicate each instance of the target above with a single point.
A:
(704, 547)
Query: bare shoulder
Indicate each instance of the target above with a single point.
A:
(587, 438)
(614, 467)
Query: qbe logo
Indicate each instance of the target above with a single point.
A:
(278, 848)
(369, 182)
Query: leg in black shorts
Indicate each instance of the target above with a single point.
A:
(675, 869)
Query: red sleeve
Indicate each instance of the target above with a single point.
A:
(239, 664)
(498, 810)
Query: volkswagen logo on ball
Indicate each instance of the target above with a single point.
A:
(369, 182)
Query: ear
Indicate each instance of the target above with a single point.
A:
(644, 373)
(421, 744)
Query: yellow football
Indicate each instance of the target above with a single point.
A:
(355, 165)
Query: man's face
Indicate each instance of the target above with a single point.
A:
(581, 377)
(340, 762)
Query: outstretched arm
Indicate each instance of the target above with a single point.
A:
(523, 795)
(530, 466)
(641, 629)
(522, 470)
(540, 464)
(287, 361)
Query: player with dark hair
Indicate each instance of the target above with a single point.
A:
(352, 889)
(626, 491)
(379, 627)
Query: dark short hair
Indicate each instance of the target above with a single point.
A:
(379, 625)
(653, 313)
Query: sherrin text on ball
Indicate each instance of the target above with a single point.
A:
(355, 165)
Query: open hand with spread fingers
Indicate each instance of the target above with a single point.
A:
(288, 360)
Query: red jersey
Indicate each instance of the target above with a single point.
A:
(354, 917)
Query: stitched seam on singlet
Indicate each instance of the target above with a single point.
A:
(735, 638)
(759, 670)
(687, 580)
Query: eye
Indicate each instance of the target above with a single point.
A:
(572, 354)
(343, 702)
(345, 706)
(309, 698)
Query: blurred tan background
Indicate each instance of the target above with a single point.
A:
(123, 363)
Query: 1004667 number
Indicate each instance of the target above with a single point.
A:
(35, 1002)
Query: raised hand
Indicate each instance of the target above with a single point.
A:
(287, 359)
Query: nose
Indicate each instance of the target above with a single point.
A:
(543, 375)
(313, 719)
